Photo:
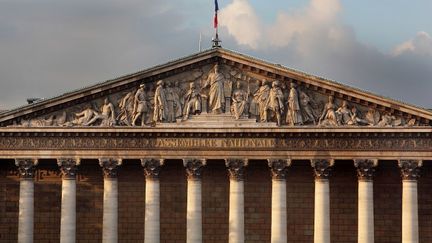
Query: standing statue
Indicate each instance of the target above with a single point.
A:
(216, 94)
(328, 116)
(141, 107)
(253, 104)
(192, 102)
(294, 116)
(261, 99)
(177, 93)
(171, 104)
(239, 102)
(306, 108)
(126, 106)
(276, 102)
(160, 103)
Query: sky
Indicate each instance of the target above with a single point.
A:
(49, 47)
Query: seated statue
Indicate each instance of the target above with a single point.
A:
(328, 116)
(344, 114)
(192, 102)
(239, 102)
(107, 116)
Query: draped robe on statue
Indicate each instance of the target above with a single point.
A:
(216, 93)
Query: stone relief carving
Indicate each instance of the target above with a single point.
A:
(219, 89)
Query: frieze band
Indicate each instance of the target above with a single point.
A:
(334, 142)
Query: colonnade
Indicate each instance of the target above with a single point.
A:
(194, 168)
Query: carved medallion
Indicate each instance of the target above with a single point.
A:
(152, 168)
(410, 169)
(68, 167)
(365, 168)
(279, 168)
(110, 167)
(236, 168)
(322, 168)
(26, 168)
(194, 168)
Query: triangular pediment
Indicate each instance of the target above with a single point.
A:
(193, 94)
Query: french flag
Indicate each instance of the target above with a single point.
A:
(215, 19)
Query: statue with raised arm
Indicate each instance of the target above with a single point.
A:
(294, 116)
(140, 107)
(160, 113)
(215, 81)
(239, 102)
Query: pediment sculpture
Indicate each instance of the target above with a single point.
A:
(219, 90)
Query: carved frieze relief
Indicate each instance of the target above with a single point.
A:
(222, 90)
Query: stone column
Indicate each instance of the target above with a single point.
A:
(410, 172)
(322, 170)
(236, 199)
(26, 169)
(194, 169)
(68, 168)
(279, 169)
(110, 200)
(152, 200)
(365, 171)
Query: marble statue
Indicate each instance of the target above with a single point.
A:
(344, 114)
(107, 116)
(261, 98)
(160, 113)
(215, 81)
(192, 102)
(171, 103)
(239, 102)
(275, 102)
(373, 117)
(328, 116)
(294, 116)
(126, 107)
(253, 103)
(140, 106)
(307, 111)
(176, 93)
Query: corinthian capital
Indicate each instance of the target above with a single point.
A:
(194, 168)
(26, 168)
(410, 169)
(152, 168)
(322, 168)
(68, 167)
(236, 168)
(365, 168)
(110, 167)
(279, 168)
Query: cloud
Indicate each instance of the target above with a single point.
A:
(242, 22)
(421, 44)
(315, 39)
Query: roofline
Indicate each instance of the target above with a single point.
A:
(223, 53)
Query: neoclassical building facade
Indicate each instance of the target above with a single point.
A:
(216, 147)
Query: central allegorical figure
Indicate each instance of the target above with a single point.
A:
(216, 94)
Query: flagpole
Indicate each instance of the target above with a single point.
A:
(215, 41)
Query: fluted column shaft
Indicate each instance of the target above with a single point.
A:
(279, 203)
(322, 200)
(194, 207)
(26, 200)
(365, 170)
(410, 171)
(110, 200)
(236, 199)
(152, 200)
(68, 168)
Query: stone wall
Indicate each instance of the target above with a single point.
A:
(300, 200)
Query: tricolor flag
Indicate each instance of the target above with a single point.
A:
(215, 19)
